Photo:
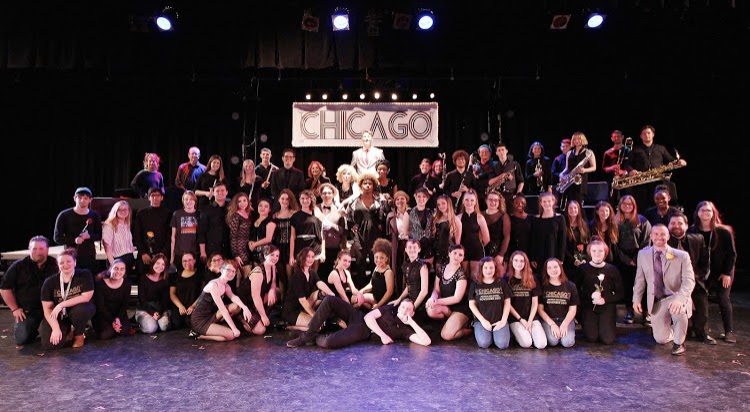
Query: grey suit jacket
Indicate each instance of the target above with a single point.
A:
(679, 278)
(361, 165)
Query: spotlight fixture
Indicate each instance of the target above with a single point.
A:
(324, 96)
(376, 95)
(414, 96)
(340, 19)
(394, 96)
(167, 18)
(560, 22)
(344, 96)
(401, 21)
(309, 22)
(425, 19)
(432, 95)
(594, 20)
(308, 96)
(361, 96)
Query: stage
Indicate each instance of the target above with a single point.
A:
(168, 371)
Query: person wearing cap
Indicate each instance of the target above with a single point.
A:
(558, 165)
(79, 227)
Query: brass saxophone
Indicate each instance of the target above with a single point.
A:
(574, 176)
(656, 174)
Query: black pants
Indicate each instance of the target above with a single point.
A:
(700, 314)
(356, 330)
(599, 324)
(78, 317)
(104, 329)
(627, 274)
(725, 303)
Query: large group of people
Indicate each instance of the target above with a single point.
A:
(459, 249)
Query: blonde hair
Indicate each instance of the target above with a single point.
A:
(112, 217)
(346, 168)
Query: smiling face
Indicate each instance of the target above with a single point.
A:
(309, 259)
(117, 271)
(598, 253)
(188, 261)
(381, 259)
(194, 154)
(284, 200)
(66, 264)
(518, 262)
(38, 251)
(366, 140)
(442, 205)
(264, 208)
(242, 203)
(158, 266)
(456, 256)
(553, 269)
(488, 270)
(305, 201)
(677, 226)
(572, 211)
(405, 309)
(345, 261)
(647, 136)
(659, 236)
(603, 213)
(382, 171)
(536, 150)
(412, 250)
(265, 156)
(273, 257)
(228, 272)
(470, 202)
(288, 159)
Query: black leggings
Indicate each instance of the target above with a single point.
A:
(725, 303)
(78, 317)
(356, 330)
(600, 326)
(105, 330)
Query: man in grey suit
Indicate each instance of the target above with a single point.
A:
(667, 274)
(366, 159)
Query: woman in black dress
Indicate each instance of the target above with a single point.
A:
(261, 231)
(184, 289)
(304, 293)
(520, 227)
(366, 221)
(449, 299)
(605, 227)
(250, 183)
(577, 230)
(498, 225)
(210, 309)
(204, 185)
(446, 227)
(284, 236)
(111, 296)
(474, 233)
(308, 229)
(262, 293)
(548, 233)
(382, 285)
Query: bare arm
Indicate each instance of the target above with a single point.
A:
(460, 290)
(174, 236)
(256, 280)
(322, 286)
(484, 231)
(459, 228)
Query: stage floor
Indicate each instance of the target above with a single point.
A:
(169, 371)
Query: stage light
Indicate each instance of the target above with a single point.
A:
(376, 95)
(560, 22)
(594, 20)
(432, 95)
(324, 96)
(394, 96)
(361, 96)
(401, 21)
(425, 19)
(310, 22)
(344, 96)
(340, 19)
(308, 96)
(166, 20)
(414, 96)
(263, 138)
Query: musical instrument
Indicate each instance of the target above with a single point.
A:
(441, 156)
(574, 176)
(627, 148)
(540, 178)
(656, 174)
(270, 172)
(503, 178)
(315, 186)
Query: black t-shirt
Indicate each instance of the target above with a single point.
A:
(557, 299)
(490, 298)
(187, 289)
(25, 278)
(81, 282)
(521, 297)
(392, 325)
(112, 303)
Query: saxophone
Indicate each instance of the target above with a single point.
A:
(573, 176)
(656, 174)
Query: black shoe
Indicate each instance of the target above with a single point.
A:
(193, 335)
(301, 340)
(708, 340)
(678, 349)
(628, 318)
(730, 338)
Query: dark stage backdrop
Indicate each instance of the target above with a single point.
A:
(81, 100)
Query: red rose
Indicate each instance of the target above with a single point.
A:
(580, 247)
(89, 221)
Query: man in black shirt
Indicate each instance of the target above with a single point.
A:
(151, 233)
(650, 156)
(213, 231)
(508, 176)
(420, 180)
(78, 228)
(693, 244)
(288, 177)
(21, 289)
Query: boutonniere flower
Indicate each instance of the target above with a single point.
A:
(670, 256)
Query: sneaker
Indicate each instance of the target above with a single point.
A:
(647, 321)
(78, 341)
(300, 340)
(193, 334)
(628, 318)
(678, 349)
(730, 338)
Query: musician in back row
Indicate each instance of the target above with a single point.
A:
(616, 162)
(485, 170)
(538, 175)
(580, 161)
(650, 156)
(459, 180)
(508, 177)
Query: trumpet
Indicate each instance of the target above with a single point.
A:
(441, 156)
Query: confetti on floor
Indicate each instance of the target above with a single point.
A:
(569, 388)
